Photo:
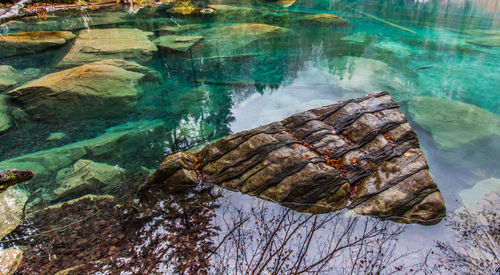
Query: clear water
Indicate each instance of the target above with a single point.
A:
(208, 93)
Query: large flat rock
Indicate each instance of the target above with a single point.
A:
(107, 88)
(32, 42)
(99, 44)
(360, 153)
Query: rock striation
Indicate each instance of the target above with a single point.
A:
(360, 153)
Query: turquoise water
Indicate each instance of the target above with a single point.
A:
(234, 81)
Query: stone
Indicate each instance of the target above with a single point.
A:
(107, 88)
(234, 38)
(324, 20)
(131, 136)
(10, 259)
(11, 209)
(8, 77)
(479, 191)
(99, 44)
(176, 42)
(32, 42)
(180, 28)
(360, 154)
(191, 11)
(355, 38)
(488, 41)
(85, 177)
(56, 136)
(451, 123)
(5, 121)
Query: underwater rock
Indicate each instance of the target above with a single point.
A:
(360, 153)
(191, 11)
(56, 136)
(8, 77)
(485, 38)
(32, 42)
(324, 20)
(129, 137)
(234, 38)
(10, 259)
(180, 28)
(479, 191)
(451, 123)
(107, 88)
(11, 209)
(84, 177)
(5, 122)
(99, 44)
(177, 42)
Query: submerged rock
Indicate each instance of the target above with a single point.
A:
(84, 177)
(130, 137)
(10, 259)
(177, 42)
(180, 28)
(8, 77)
(11, 209)
(324, 20)
(5, 122)
(451, 123)
(99, 44)
(234, 38)
(101, 89)
(484, 38)
(359, 153)
(32, 42)
(56, 136)
(480, 191)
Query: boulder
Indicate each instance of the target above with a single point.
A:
(84, 177)
(359, 153)
(234, 38)
(99, 44)
(176, 42)
(32, 42)
(484, 38)
(180, 28)
(8, 77)
(479, 191)
(451, 123)
(131, 137)
(56, 136)
(11, 209)
(324, 20)
(10, 259)
(5, 122)
(107, 88)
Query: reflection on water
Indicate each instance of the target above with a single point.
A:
(256, 62)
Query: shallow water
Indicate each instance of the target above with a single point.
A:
(227, 83)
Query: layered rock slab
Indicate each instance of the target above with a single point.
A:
(360, 153)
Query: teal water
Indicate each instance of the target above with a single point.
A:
(227, 83)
